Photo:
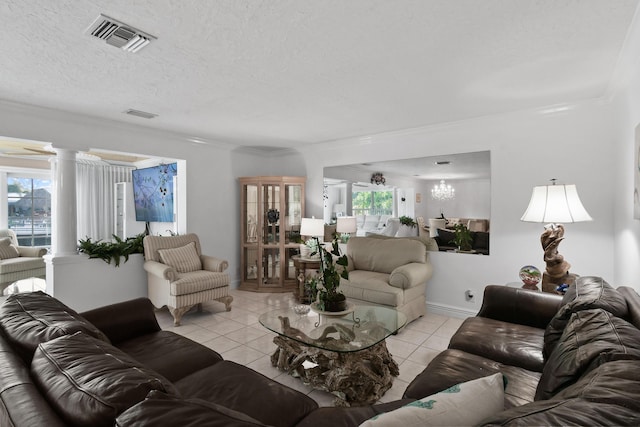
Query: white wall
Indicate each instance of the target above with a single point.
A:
(527, 149)
(626, 107)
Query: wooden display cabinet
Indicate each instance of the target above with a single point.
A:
(271, 211)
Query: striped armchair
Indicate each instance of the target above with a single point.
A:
(179, 276)
(19, 262)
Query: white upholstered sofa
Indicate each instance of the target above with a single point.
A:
(391, 272)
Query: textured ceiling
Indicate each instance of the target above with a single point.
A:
(282, 73)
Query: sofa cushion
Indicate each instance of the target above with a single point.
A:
(349, 416)
(451, 367)
(21, 264)
(165, 352)
(587, 293)
(244, 390)
(197, 281)
(608, 395)
(160, 409)
(90, 382)
(504, 342)
(463, 404)
(590, 338)
(29, 319)
(7, 250)
(383, 255)
(184, 258)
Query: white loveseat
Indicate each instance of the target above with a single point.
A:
(391, 272)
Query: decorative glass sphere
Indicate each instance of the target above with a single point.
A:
(530, 275)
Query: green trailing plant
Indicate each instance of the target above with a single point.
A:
(463, 239)
(333, 266)
(112, 251)
(408, 221)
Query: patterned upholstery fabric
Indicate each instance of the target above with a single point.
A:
(7, 250)
(184, 259)
(179, 276)
(26, 264)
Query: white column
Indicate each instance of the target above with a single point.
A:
(64, 236)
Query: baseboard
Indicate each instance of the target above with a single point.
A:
(450, 311)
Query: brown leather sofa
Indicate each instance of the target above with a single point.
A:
(115, 366)
(572, 360)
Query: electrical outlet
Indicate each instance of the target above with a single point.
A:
(469, 295)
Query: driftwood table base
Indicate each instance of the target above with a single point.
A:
(356, 378)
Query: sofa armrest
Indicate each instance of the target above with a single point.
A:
(521, 306)
(160, 270)
(410, 275)
(124, 320)
(32, 251)
(211, 263)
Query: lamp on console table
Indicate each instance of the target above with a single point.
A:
(553, 204)
(346, 225)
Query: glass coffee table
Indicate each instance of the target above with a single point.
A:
(344, 354)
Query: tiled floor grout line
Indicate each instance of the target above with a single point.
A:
(238, 336)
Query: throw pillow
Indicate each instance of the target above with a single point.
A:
(90, 382)
(463, 404)
(184, 259)
(7, 250)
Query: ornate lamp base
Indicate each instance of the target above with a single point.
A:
(550, 283)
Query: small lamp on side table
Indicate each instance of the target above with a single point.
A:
(346, 226)
(553, 204)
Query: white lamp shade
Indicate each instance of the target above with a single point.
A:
(312, 227)
(347, 224)
(555, 204)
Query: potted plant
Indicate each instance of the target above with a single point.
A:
(333, 266)
(309, 249)
(463, 239)
(112, 251)
(408, 221)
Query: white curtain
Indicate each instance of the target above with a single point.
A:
(95, 191)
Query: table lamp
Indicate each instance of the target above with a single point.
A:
(345, 226)
(553, 204)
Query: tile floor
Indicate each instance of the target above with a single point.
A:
(238, 336)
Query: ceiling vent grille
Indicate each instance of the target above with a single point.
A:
(118, 34)
(139, 113)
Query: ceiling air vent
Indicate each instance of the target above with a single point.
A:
(120, 35)
(139, 113)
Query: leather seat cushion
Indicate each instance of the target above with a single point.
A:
(348, 417)
(587, 293)
(508, 343)
(29, 319)
(608, 395)
(90, 382)
(591, 337)
(452, 367)
(244, 390)
(166, 352)
(160, 409)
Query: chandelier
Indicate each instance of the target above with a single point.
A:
(443, 191)
(378, 179)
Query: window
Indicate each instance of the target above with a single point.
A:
(372, 202)
(29, 209)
